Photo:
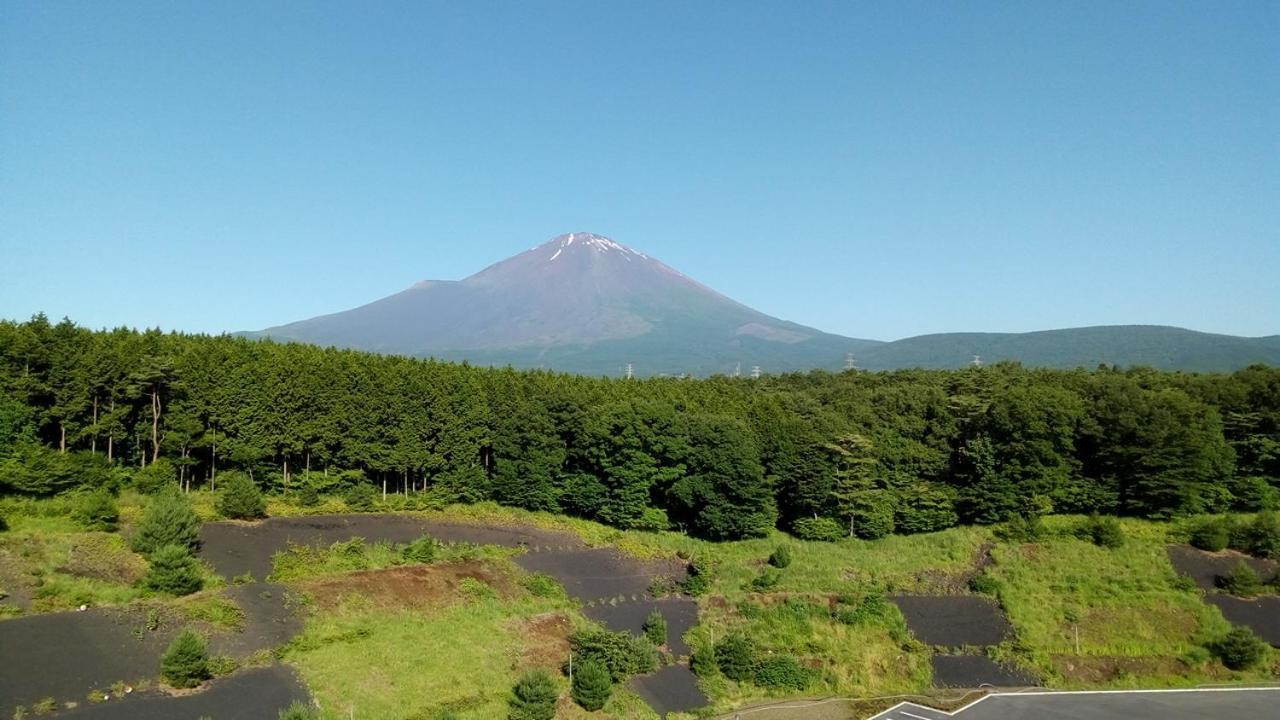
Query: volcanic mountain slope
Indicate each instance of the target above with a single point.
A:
(579, 303)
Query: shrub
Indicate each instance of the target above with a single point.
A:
(159, 476)
(299, 710)
(533, 697)
(1261, 537)
(698, 581)
(422, 550)
(651, 519)
(591, 685)
(655, 628)
(361, 497)
(4, 524)
(173, 571)
(703, 661)
(781, 557)
(858, 611)
(1102, 531)
(1239, 649)
(1210, 534)
(736, 658)
(622, 654)
(820, 528)
(543, 585)
(766, 580)
(96, 510)
(240, 498)
(984, 584)
(782, 672)
(307, 495)
(1021, 528)
(186, 663)
(168, 520)
(1241, 581)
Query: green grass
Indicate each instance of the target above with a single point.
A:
(462, 654)
(298, 562)
(63, 567)
(1127, 603)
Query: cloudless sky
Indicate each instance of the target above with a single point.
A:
(872, 169)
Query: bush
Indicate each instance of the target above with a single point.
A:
(655, 628)
(782, 672)
(591, 685)
(766, 580)
(1102, 531)
(1260, 537)
(186, 663)
(736, 658)
(361, 498)
(925, 508)
(703, 661)
(159, 476)
(534, 697)
(168, 520)
(173, 571)
(859, 611)
(1211, 534)
(984, 584)
(820, 528)
(698, 581)
(1021, 528)
(240, 498)
(651, 519)
(4, 524)
(622, 654)
(422, 550)
(543, 586)
(96, 510)
(781, 557)
(307, 495)
(1242, 581)
(299, 710)
(1239, 649)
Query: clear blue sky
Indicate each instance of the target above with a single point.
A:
(876, 170)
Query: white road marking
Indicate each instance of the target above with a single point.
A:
(913, 715)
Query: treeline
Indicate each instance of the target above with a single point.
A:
(820, 454)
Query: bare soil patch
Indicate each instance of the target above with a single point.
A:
(972, 671)
(546, 639)
(1206, 567)
(410, 587)
(953, 620)
(1106, 668)
(1262, 615)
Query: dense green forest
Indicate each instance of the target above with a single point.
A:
(819, 454)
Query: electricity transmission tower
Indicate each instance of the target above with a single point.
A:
(737, 371)
(976, 361)
(755, 372)
(629, 371)
(849, 364)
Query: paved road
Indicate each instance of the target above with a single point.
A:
(1126, 705)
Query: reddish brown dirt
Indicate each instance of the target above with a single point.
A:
(546, 639)
(413, 587)
(1105, 668)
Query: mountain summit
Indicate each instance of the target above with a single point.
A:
(579, 302)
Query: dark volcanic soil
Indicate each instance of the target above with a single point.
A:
(953, 620)
(681, 614)
(1205, 567)
(674, 688)
(253, 694)
(971, 671)
(1262, 615)
(65, 655)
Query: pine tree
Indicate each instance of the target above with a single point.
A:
(591, 685)
(173, 571)
(186, 663)
(240, 498)
(168, 520)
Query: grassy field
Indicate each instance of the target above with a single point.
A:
(388, 647)
(379, 640)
